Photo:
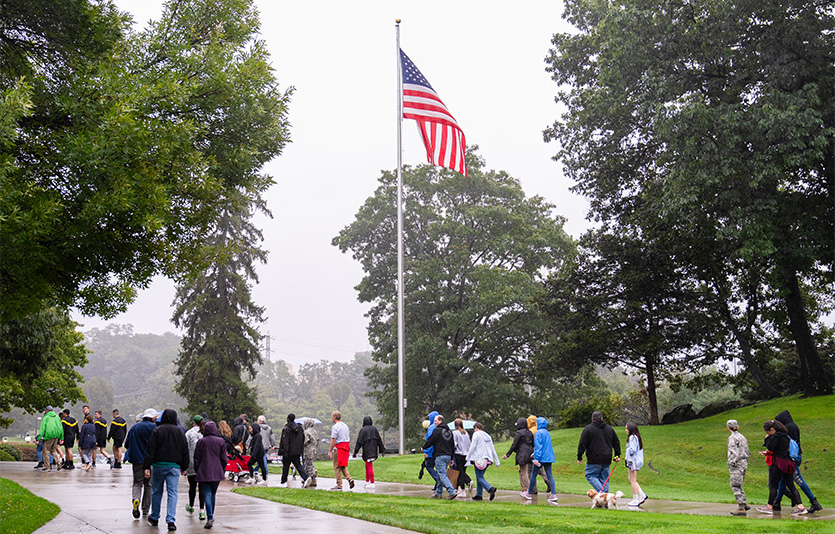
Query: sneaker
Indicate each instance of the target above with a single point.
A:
(477, 498)
(765, 510)
(336, 488)
(136, 508)
(209, 523)
(282, 485)
(189, 508)
(39, 466)
(797, 510)
(351, 483)
(635, 501)
(453, 495)
(642, 498)
(553, 499)
(492, 493)
(307, 482)
(202, 515)
(172, 526)
(370, 485)
(153, 522)
(525, 495)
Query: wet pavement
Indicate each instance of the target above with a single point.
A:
(99, 502)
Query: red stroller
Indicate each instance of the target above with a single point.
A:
(236, 469)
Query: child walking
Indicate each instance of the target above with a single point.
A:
(634, 462)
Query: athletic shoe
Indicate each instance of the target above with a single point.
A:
(452, 496)
(477, 498)
(765, 510)
(172, 526)
(201, 515)
(307, 482)
(209, 523)
(336, 488)
(525, 495)
(282, 485)
(553, 499)
(634, 501)
(351, 483)
(370, 485)
(642, 498)
(492, 493)
(153, 522)
(136, 508)
(799, 511)
(39, 466)
(189, 508)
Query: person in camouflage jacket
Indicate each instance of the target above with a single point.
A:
(738, 454)
(311, 448)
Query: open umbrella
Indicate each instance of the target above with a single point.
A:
(301, 420)
(468, 425)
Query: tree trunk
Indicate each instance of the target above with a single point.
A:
(766, 390)
(653, 399)
(814, 377)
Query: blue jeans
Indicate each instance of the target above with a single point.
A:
(481, 483)
(170, 476)
(441, 464)
(545, 466)
(430, 468)
(209, 491)
(597, 474)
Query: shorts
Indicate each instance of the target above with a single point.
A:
(101, 443)
(118, 443)
(69, 443)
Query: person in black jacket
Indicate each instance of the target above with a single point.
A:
(369, 441)
(256, 454)
(523, 447)
(794, 433)
(240, 435)
(165, 459)
(597, 441)
(780, 469)
(443, 449)
(291, 447)
(101, 438)
(71, 432)
(118, 431)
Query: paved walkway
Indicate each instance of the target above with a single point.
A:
(98, 502)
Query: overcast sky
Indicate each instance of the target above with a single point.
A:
(486, 61)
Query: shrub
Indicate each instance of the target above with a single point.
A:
(5, 457)
(10, 449)
(578, 413)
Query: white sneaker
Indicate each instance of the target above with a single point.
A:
(282, 485)
(553, 498)
(370, 485)
(525, 495)
(635, 501)
(642, 499)
(307, 482)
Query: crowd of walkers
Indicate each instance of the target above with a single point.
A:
(161, 450)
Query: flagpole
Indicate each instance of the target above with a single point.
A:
(401, 343)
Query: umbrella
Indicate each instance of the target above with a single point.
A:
(301, 420)
(468, 425)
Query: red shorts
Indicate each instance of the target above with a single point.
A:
(343, 451)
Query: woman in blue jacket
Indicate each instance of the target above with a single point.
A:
(543, 457)
(87, 442)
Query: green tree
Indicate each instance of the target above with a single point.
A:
(220, 320)
(476, 252)
(718, 111)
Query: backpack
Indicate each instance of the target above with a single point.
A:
(794, 451)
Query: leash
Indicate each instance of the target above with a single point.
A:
(610, 475)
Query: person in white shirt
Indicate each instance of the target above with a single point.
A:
(341, 441)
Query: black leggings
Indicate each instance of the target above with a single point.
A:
(774, 478)
(256, 460)
(461, 466)
(192, 491)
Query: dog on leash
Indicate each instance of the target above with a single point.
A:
(604, 500)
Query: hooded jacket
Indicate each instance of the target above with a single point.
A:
(167, 444)
(51, 427)
(137, 440)
(598, 440)
(292, 440)
(792, 429)
(240, 434)
(522, 443)
(482, 448)
(257, 450)
(441, 442)
(87, 439)
(543, 449)
(369, 440)
(267, 437)
(532, 424)
(430, 451)
(210, 455)
(118, 430)
(192, 437)
(311, 440)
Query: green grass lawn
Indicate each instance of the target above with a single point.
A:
(687, 461)
(440, 517)
(21, 512)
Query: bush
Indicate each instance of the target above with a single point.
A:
(11, 450)
(28, 452)
(6, 457)
(578, 414)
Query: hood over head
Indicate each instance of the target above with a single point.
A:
(308, 423)
(431, 417)
(366, 421)
(239, 421)
(256, 430)
(169, 417)
(521, 423)
(784, 417)
(210, 429)
(541, 423)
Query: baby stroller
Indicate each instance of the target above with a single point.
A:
(236, 469)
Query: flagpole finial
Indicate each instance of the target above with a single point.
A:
(397, 21)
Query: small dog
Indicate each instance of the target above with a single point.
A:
(604, 500)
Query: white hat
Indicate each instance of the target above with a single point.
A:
(150, 413)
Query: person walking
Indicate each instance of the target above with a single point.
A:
(339, 451)
(428, 454)
(256, 454)
(442, 444)
(543, 458)
(136, 445)
(165, 459)
(311, 449)
(193, 435)
(738, 454)
(794, 433)
(101, 438)
(52, 434)
(71, 433)
(531, 420)
(291, 447)
(598, 440)
(267, 438)
(523, 447)
(118, 430)
(87, 442)
(462, 447)
(241, 434)
(482, 454)
(781, 468)
(634, 462)
(210, 468)
(370, 442)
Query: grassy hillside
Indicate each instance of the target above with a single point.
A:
(21, 512)
(687, 461)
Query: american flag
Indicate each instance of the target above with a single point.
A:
(443, 138)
